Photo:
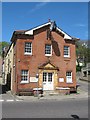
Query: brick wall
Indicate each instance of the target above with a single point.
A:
(38, 57)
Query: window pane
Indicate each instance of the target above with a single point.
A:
(47, 49)
(24, 75)
(66, 50)
(28, 47)
(44, 77)
(68, 74)
(69, 77)
(49, 77)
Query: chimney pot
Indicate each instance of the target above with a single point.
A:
(49, 20)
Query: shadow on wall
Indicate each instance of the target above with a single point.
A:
(55, 46)
(3, 89)
(8, 84)
(7, 87)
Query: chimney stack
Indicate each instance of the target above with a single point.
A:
(49, 20)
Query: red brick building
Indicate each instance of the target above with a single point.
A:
(45, 50)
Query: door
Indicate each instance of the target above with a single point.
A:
(47, 81)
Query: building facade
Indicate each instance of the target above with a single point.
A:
(85, 73)
(43, 57)
(8, 67)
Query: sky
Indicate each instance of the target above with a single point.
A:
(71, 17)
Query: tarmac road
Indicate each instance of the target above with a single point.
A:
(83, 85)
(45, 109)
(48, 106)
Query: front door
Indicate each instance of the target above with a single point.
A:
(47, 81)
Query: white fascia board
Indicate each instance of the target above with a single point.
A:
(30, 32)
(66, 36)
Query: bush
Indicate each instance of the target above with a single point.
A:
(78, 68)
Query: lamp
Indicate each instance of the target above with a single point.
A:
(37, 75)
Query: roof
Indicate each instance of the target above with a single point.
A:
(31, 31)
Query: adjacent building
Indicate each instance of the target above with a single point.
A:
(43, 57)
(0, 70)
(85, 73)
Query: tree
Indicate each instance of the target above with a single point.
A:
(82, 53)
(2, 46)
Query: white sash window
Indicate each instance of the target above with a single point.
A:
(66, 51)
(69, 77)
(28, 48)
(24, 76)
(48, 50)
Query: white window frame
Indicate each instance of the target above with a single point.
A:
(67, 51)
(51, 50)
(28, 53)
(46, 77)
(23, 81)
(69, 78)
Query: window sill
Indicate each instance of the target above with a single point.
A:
(24, 82)
(48, 55)
(66, 56)
(27, 53)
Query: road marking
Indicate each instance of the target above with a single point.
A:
(18, 100)
(1, 100)
(9, 100)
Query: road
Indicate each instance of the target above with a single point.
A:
(45, 109)
(12, 108)
(83, 85)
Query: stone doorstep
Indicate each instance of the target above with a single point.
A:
(53, 94)
(50, 93)
(61, 91)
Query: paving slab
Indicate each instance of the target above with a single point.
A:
(54, 97)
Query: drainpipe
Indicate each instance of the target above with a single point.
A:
(37, 76)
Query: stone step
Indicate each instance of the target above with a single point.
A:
(51, 93)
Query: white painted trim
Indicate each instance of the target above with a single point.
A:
(37, 88)
(48, 82)
(22, 82)
(48, 54)
(27, 53)
(30, 32)
(71, 78)
(66, 36)
(62, 88)
(25, 82)
(67, 56)
(51, 51)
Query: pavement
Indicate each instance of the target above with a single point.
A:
(45, 108)
(78, 95)
(82, 92)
